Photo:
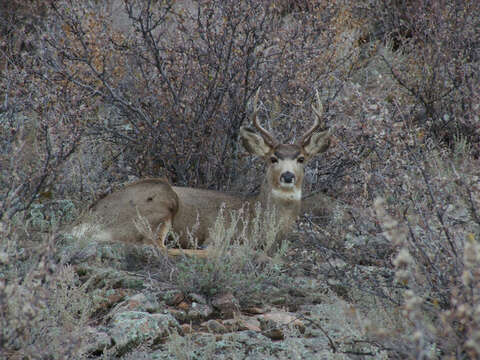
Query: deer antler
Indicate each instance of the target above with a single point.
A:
(269, 138)
(318, 111)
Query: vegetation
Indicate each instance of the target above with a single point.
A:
(97, 94)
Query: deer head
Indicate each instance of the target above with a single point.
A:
(285, 162)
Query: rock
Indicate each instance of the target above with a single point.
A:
(186, 328)
(242, 323)
(199, 312)
(95, 341)
(279, 300)
(284, 318)
(184, 306)
(214, 326)
(140, 302)
(4, 258)
(226, 304)
(250, 340)
(249, 323)
(197, 298)
(274, 334)
(180, 315)
(108, 298)
(274, 323)
(255, 310)
(131, 328)
(173, 297)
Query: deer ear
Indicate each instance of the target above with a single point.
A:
(254, 143)
(316, 143)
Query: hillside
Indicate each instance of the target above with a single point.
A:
(384, 261)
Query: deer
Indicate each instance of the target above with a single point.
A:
(169, 208)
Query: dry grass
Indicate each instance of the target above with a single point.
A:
(105, 105)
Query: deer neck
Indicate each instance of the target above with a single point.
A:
(286, 203)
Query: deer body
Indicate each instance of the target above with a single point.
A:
(183, 209)
(199, 209)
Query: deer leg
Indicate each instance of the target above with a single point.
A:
(163, 232)
(203, 254)
(162, 236)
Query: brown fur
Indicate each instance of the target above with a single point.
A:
(153, 198)
(184, 209)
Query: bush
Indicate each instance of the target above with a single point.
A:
(172, 84)
(99, 93)
(43, 309)
(439, 63)
(244, 257)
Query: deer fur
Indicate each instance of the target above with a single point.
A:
(180, 209)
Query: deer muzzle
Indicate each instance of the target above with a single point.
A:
(287, 178)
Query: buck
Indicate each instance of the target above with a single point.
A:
(181, 209)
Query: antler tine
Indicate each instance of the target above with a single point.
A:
(266, 135)
(318, 111)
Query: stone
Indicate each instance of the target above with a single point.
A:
(95, 341)
(226, 304)
(242, 323)
(130, 329)
(199, 312)
(197, 298)
(180, 315)
(249, 323)
(255, 310)
(279, 300)
(214, 326)
(140, 302)
(173, 297)
(274, 334)
(187, 328)
(183, 306)
(274, 323)
(283, 318)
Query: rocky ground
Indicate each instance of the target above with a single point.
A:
(96, 94)
(311, 309)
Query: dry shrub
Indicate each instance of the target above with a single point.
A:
(43, 308)
(162, 89)
(439, 63)
(40, 125)
(172, 82)
(244, 256)
(437, 208)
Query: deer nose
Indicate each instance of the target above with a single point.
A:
(287, 177)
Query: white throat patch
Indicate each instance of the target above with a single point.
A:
(296, 194)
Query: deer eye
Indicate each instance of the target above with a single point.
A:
(301, 159)
(273, 160)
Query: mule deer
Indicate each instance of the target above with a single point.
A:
(175, 208)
